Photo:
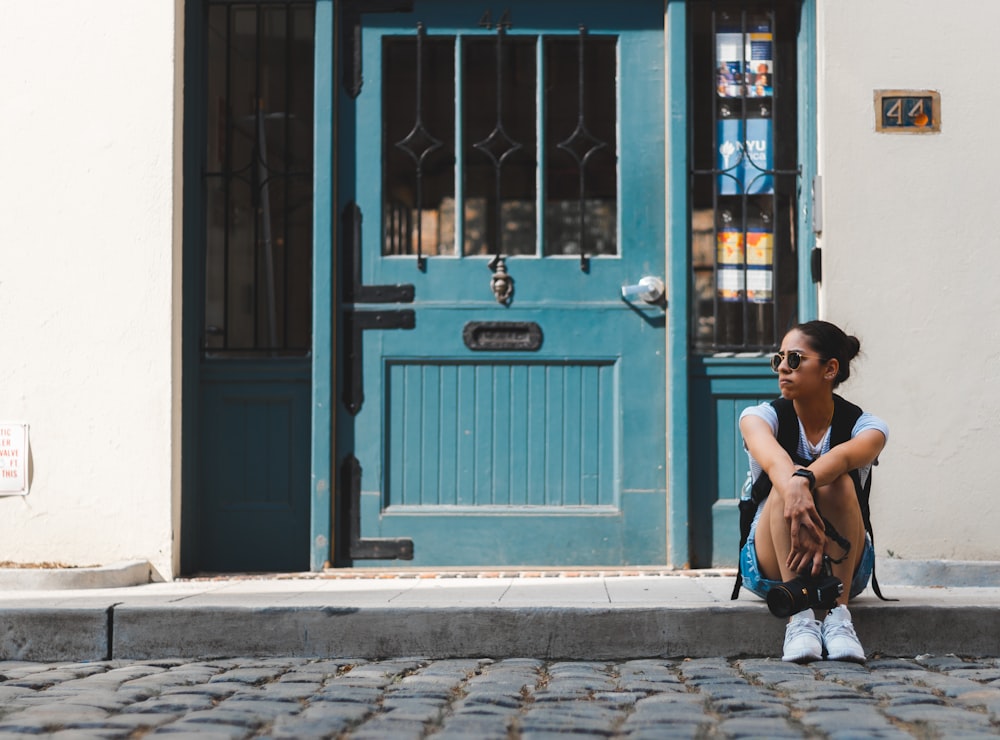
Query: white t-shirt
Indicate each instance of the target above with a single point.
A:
(806, 450)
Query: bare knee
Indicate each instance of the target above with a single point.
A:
(838, 498)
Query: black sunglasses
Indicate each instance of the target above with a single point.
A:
(793, 357)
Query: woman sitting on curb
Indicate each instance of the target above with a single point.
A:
(788, 536)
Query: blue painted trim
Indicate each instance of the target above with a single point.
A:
(721, 387)
(718, 367)
(192, 286)
(541, 172)
(679, 261)
(459, 154)
(807, 148)
(321, 489)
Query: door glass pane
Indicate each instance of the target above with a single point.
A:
(744, 157)
(500, 148)
(498, 119)
(258, 179)
(418, 146)
(581, 187)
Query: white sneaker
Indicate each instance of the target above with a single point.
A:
(803, 639)
(839, 638)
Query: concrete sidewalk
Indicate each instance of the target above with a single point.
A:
(559, 616)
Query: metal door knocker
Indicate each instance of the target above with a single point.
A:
(501, 283)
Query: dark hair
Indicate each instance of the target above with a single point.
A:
(831, 342)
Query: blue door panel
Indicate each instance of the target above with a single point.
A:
(633, 535)
(550, 456)
(513, 453)
(720, 389)
(482, 447)
(253, 466)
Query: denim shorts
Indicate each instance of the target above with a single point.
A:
(753, 580)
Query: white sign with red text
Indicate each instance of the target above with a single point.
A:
(13, 459)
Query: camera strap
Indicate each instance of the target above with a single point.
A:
(834, 535)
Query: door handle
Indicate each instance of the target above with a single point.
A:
(649, 289)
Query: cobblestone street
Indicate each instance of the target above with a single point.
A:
(412, 698)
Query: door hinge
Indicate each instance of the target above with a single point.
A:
(372, 548)
(355, 322)
(350, 19)
(354, 290)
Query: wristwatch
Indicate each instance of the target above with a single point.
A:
(806, 473)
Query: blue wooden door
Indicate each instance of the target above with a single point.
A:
(501, 178)
(247, 277)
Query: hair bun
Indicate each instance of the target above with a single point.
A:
(852, 346)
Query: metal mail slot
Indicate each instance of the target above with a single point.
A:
(502, 336)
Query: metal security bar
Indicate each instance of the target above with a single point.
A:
(744, 175)
(582, 145)
(258, 178)
(418, 104)
(498, 147)
(419, 143)
(462, 145)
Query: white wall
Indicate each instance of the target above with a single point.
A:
(86, 276)
(89, 300)
(910, 261)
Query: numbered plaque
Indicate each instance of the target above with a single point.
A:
(907, 111)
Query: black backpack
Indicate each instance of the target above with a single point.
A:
(845, 416)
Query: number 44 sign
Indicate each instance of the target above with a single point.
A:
(907, 111)
(13, 459)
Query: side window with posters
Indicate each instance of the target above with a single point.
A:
(744, 156)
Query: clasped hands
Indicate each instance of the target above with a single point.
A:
(806, 528)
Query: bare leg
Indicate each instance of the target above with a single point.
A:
(838, 502)
(773, 542)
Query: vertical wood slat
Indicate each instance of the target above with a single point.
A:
(413, 452)
(504, 434)
(431, 429)
(535, 430)
(502, 452)
(573, 421)
(520, 445)
(465, 415)
(256, 446)
(482, 434)
(590, 434)
(447, 442)
(553, 439)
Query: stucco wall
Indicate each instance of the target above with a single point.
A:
(910, 265)
(86, 266)
(89, 299)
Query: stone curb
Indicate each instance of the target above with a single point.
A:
(556, 633)
(136, 632)
(234, 616)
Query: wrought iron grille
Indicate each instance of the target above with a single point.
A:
(744, 174)
(418, 104)
(462, 179)
(581, 145)
(258, 178)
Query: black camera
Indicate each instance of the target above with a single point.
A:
(805, 592)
